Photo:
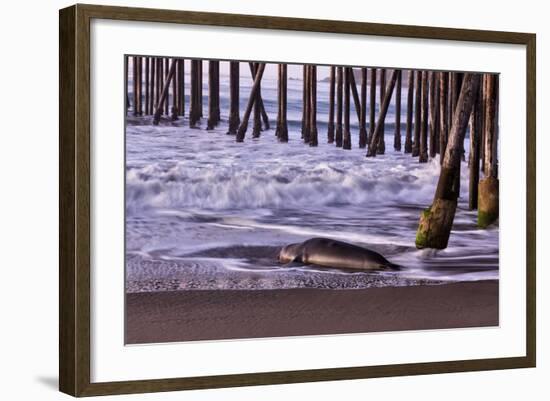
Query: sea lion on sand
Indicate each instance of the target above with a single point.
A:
(331, 253)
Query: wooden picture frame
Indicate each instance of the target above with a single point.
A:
(74, 199)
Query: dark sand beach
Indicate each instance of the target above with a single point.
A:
(169, 316)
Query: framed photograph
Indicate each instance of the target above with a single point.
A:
(251, 200)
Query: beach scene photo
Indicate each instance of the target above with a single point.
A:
(267, 199)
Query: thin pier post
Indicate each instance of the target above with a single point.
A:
(397, 132)
(410, 108)
(378, 132)
(339, 105)
(164, 95)
(194, 114)
(257, 125)
(282, 128)
(331, 101)
(417, 113)
(372, 103)
(147, 86)
(213, 95)
(381, 147)
(134, 84)
(423, 157)
(488, 204)
(313, 137)
(175, 92)
(166, 72)
(443, 114)
(127, 98)
(307, 105)
(475, 136)
(251, 100)
(363, 136)
(347, 89)
(234, 118)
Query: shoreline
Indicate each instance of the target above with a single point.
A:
(194, 315)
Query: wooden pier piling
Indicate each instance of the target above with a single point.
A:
(381, 147)
(213, 94)
(488, 203)
(423, 157)
(346, 144)
(164, 95)
(339, 105)
(331, 101)
(410, 107)
(313, 136)
(443, 113)
(234, 89)
(372, 103)
(282, 125)
(436, 221)
(251, 100)
(363, 135)
(194, 112)
(417, 113)
(476, 120)
(397, 132)
(378, 131)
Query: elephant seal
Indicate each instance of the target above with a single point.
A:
(332, 253)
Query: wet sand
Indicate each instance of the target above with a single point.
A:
(230, 314)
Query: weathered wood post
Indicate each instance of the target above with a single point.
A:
(355, 94)
(146, 86)
(263, 113)
(234, 118)
(455, 91)
(134, 84)
(162, 76)
(257, 125)
(363, 136)
(251, 100)
(489, 186)
(174, 108)
(127, 98)
(417, 113)
(436, 222)
(433, 115)
(152, 82)
(139, 86)
(372, 103)
(347, 88)
(424, 120)
(339, 105)
(410, 106)
(282, 120)
(381, 147)
(313, 137)
(158, 80)
(307, 105)
(164, 96)
(475, 136)
(213, 94)
(200, 86)
(279, 99)
(166, 72)
(332, 95)
(194, 114)
(397, 132)
(443, 114)
(378, 132)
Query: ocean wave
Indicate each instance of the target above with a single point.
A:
(220, 186)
